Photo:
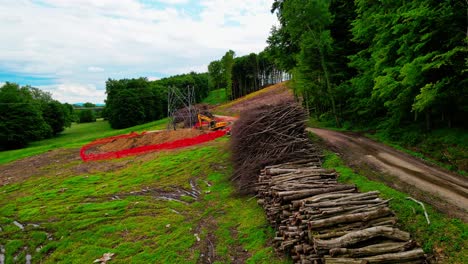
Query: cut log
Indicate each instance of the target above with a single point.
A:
(319, 220)
(358, 196)
(362, 235)
(350, 218)
(340, 203)
(276, 171)
(372, 250)
(400, 257)
(308, 193)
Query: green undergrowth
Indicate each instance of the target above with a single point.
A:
(77, 218)
(76, 136)
(444, 235)
(445, 147)
(216, 97)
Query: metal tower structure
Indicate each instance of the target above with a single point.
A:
(178, 99)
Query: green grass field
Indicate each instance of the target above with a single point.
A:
(75, 218)
(76, 136)
(216, 97)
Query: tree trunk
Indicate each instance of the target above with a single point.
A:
(350, 218)
(401, 257)
(329, 89)
(362, 235)
(371, 250)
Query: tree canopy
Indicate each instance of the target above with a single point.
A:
(28, 114)
(245, 74)
(376, 63)
(132, 102)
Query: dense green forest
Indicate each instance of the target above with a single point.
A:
(376, 64)
(132, 102)
(28, 114)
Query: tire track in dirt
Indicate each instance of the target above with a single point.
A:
(449, 189)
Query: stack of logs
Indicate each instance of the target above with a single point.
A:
(319, 220)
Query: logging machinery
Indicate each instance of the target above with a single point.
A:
(213, 125)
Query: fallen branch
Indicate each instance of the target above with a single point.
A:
(423, 207)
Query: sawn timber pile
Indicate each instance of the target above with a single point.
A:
(319, 220)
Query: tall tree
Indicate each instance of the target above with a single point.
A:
(228, 62)
(21, 120)
(55, 115)
(305, 29)
(215, 70)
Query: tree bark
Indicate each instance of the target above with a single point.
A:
(307, 193)
(350, 218)
(371, 250)
(400, 257)
(362, 235)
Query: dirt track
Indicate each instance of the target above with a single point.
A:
(448, 191)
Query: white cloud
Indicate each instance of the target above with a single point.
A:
(2, 83)
(95, 69)
(174, 2)
(153, 78)
(75, 93)
(126, 38)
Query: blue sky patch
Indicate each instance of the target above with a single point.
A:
(25, 79)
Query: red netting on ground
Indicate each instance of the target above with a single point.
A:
(186, 142)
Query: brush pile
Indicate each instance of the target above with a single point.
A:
(264, 136)
(319, 220)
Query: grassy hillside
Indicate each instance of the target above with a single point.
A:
(74, 137)
(216, 97)
(145, 210)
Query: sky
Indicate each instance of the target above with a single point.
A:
(71, 47)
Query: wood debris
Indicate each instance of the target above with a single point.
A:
(105, 257)
(319, 220)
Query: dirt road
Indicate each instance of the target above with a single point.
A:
(447, 191)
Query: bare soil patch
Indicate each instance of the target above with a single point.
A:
(272, 95)
(150, 138)
(60, 162)
(24, 168)
(446, 191)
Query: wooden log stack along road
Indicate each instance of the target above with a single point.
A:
(319, 220)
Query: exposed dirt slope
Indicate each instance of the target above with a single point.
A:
(151, 138)
(267, 96)
(447, 191)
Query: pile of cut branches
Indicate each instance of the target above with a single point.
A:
(267, 135)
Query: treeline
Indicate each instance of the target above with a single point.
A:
(243, 75)
(132, 102)
(28, 114)
(384, 64)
